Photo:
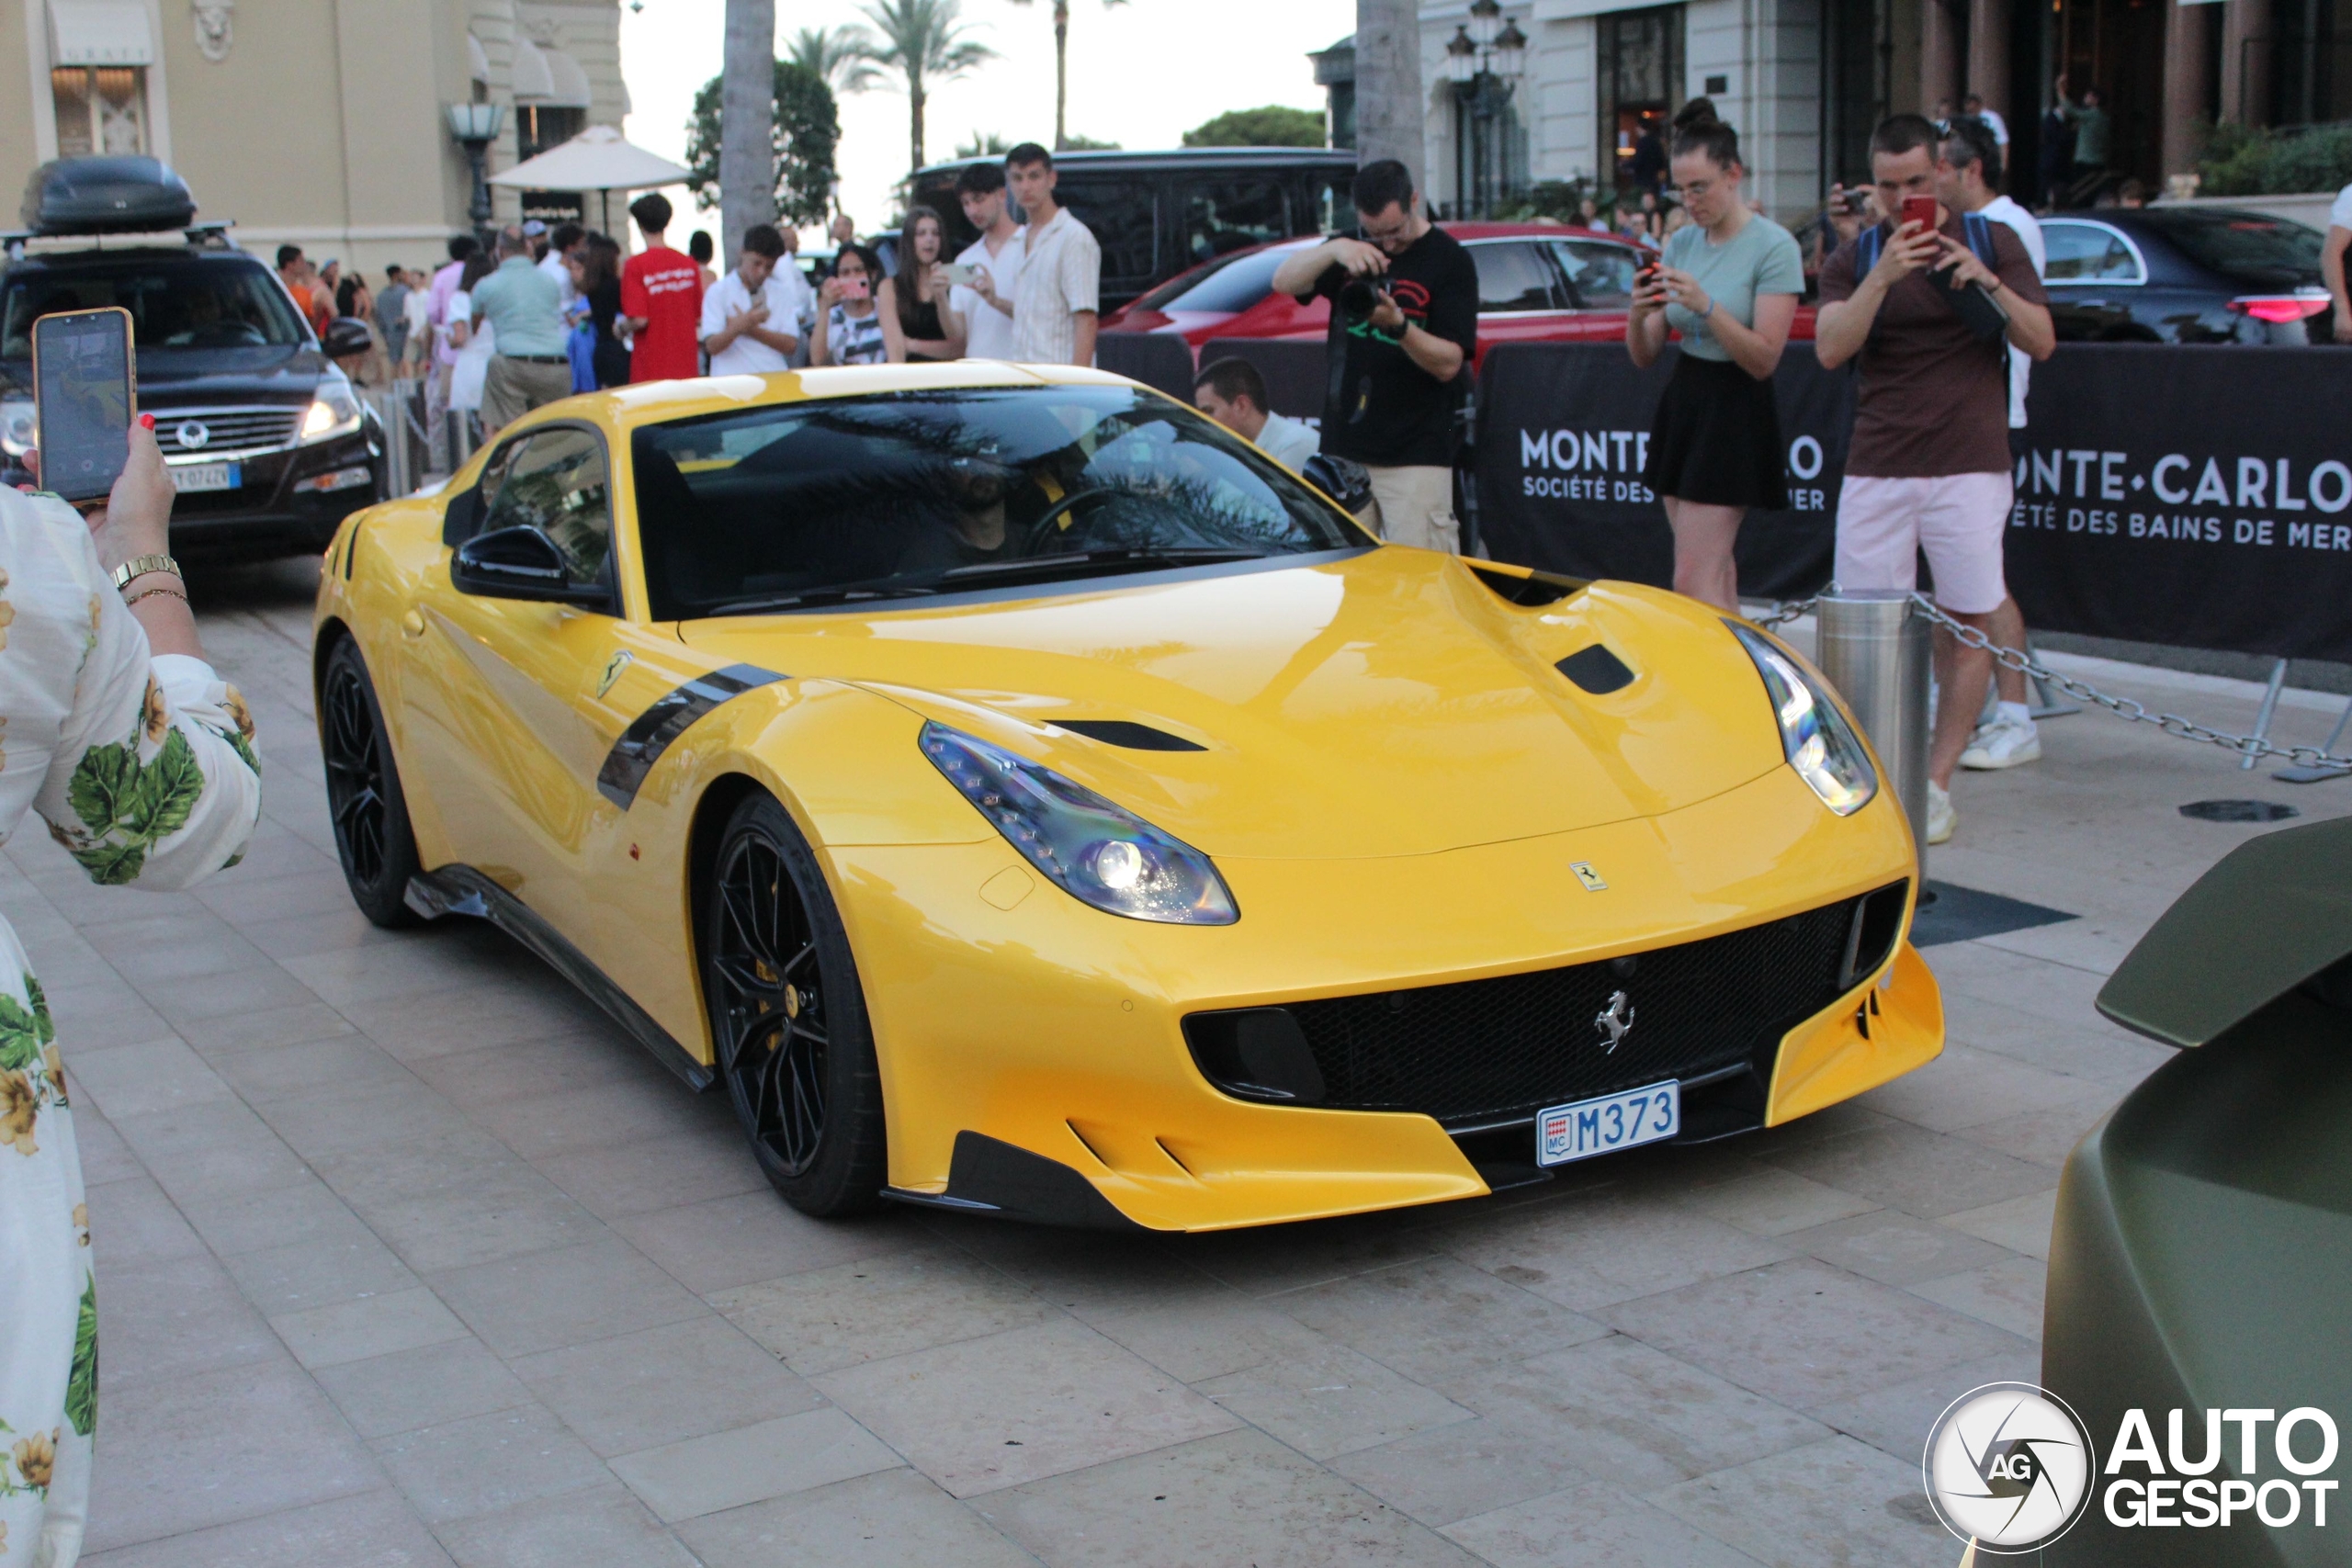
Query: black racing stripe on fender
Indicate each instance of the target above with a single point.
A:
(642, 743)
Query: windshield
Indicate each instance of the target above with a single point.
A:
(172, 304)
(2240, 244)
(931, 493)
(1233, 284)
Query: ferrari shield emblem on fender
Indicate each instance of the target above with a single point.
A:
(1613, 1023)
(621, 659)
(1589, 877)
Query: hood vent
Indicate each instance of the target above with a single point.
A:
(1597, 671)
(1125, 732)
(1532, 592)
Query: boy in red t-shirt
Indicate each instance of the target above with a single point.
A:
(661, 299)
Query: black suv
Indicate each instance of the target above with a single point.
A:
(268, 446)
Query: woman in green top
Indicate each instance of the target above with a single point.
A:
(1727, 285)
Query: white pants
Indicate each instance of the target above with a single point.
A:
(1414, 506)
(1958, 520)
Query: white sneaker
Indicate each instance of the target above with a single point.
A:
(2004, 743)
(1941, 817)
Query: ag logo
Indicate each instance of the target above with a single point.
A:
(2008, 1466)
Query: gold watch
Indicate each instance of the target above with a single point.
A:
(139, 566)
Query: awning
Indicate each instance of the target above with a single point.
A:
(99, 32)
(599, 158)
(477, 61)
(571, 90)
(533, 84)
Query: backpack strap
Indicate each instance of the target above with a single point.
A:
(1980, 240)
(1866, 248)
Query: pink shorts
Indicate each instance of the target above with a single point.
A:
(1958, 519)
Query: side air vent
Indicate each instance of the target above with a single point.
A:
(1257, 1054)
(1124, 732)
(1536, 589)
(1597, 670)
(1877, 920)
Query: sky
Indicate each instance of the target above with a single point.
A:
(1142, 74)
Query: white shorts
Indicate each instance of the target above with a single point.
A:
(1958, 519)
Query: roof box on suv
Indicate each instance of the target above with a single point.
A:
(106, 196)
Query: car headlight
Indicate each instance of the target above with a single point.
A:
(1099, 852)
(1821, 746)
(333, 412)
(19, 424)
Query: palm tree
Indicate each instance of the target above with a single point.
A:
(1061, 68)
(923, 40)
(843, 57)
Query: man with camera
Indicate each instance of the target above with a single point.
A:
(1403, 322)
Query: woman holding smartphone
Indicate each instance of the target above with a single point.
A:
(849, 329)
(918, 322)
(1728, 284)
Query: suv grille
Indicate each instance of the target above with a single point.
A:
(226, 430)
(1482, 1052)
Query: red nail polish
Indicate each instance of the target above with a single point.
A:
(146, 422)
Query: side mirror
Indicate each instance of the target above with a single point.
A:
(519, 563)
(346, 335)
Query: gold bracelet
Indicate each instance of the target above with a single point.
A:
(149, 593)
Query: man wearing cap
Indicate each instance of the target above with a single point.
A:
(530, 368)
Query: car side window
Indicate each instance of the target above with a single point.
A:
(555, 481)
(1600, 277)
(1228, 215)
(2087, 253)
(1121, 215)
(1514, 276)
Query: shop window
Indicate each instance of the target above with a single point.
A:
(100, 109)
(1640, 79)
(538, 127)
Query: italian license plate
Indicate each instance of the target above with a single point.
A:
(206, 476)
(1612, 1122)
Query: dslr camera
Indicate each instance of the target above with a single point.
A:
(1359, 298)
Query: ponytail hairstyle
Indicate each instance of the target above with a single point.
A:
(1696, 130)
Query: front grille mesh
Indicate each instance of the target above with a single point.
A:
(1483, 1051)
(227, 430)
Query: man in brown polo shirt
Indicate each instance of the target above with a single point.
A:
(1929, 468)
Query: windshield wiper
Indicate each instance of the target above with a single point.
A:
(810, 598)
(1080, 562)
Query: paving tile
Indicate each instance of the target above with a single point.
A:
(439, 1212)
(167, 1320)
(599, 1117)
(889, 1305)
(432, 1385)
(374, 1529)
(131, 1223)
(1805, 1333)
(218, 1149)
(1833, 1502)
(1596, 1525)
(605, 1528)
(370, 1326)
(2020, 1225)
(398, 1112)
(1332, 1402)
(105, 1156)
(1964, 1088)
(134, 1081)
(341, 1064)
(1587, 1252)
(2006, 1295)
(288, 1024)
(1269, 1260)
(541, 1301)
(1907, 1168)
(1437, 1317)
(1893, 1248)
(450, 1019)
(659, 1173)
(539, 1066)
(301, 1211)
(1215, 1503)
(752, 1464)
(1896, 1419)
(1469, 1467)
(981, 1415)
(320, 1271)
(892, 1519)
(218, 1447)
(663, 1385)
(487, 1464)
(723, 1242)
(1207, 1330)
(1768, 1200)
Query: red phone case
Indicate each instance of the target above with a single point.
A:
(1919, 209)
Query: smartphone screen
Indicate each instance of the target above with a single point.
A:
(84, 398)
(1919, 209)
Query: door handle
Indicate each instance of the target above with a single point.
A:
(413, 623)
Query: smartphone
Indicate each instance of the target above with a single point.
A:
(1858, 201)
(85, 397)
(1919, 209)
(854, 289)
(963, 275)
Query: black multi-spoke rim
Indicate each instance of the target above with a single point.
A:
(355, 776)
(770, 990)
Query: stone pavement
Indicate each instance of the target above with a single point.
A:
(407, 1257)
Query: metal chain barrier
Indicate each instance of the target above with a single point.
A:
(2173, 724)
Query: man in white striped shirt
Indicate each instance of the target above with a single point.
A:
(1057, 300)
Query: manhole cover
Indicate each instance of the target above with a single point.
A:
(2238, 811)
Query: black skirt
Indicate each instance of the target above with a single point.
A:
(1716, 439)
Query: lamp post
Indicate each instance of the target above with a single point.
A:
(1483, 60)
(476, 126)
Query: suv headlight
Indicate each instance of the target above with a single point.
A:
(18, 426)
(1821, 746)
(333, 412)
(1101, 853)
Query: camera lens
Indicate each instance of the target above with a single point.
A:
(1357, 298)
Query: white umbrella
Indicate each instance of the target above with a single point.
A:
(599, 158)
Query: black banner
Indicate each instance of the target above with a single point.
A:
(1162, 361)
(1295, 372)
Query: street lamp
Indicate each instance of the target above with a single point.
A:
(476, 126)
(1481, 60)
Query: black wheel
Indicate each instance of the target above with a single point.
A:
(788, 1018)
(371, 829)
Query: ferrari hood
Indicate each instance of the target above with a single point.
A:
(1389, 703)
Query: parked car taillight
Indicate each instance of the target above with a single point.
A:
(2302, 304)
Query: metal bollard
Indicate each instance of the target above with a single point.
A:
(1876, 650)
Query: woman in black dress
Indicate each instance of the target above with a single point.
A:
(599, 283)
(917, 321)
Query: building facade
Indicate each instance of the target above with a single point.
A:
(319, 122)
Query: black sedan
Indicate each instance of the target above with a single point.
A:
(2184, 274)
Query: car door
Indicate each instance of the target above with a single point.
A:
(515, 734)
(1521, 298)
(2094, 279)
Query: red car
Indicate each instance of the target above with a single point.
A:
(1537, 283)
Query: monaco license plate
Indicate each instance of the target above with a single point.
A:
(1612, 1122)
(206, 476)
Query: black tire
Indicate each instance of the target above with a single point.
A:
(372, 837)
(788, 1017)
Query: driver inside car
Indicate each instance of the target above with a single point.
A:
(974, 529)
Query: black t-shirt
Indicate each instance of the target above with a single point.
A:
(1383, 410)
